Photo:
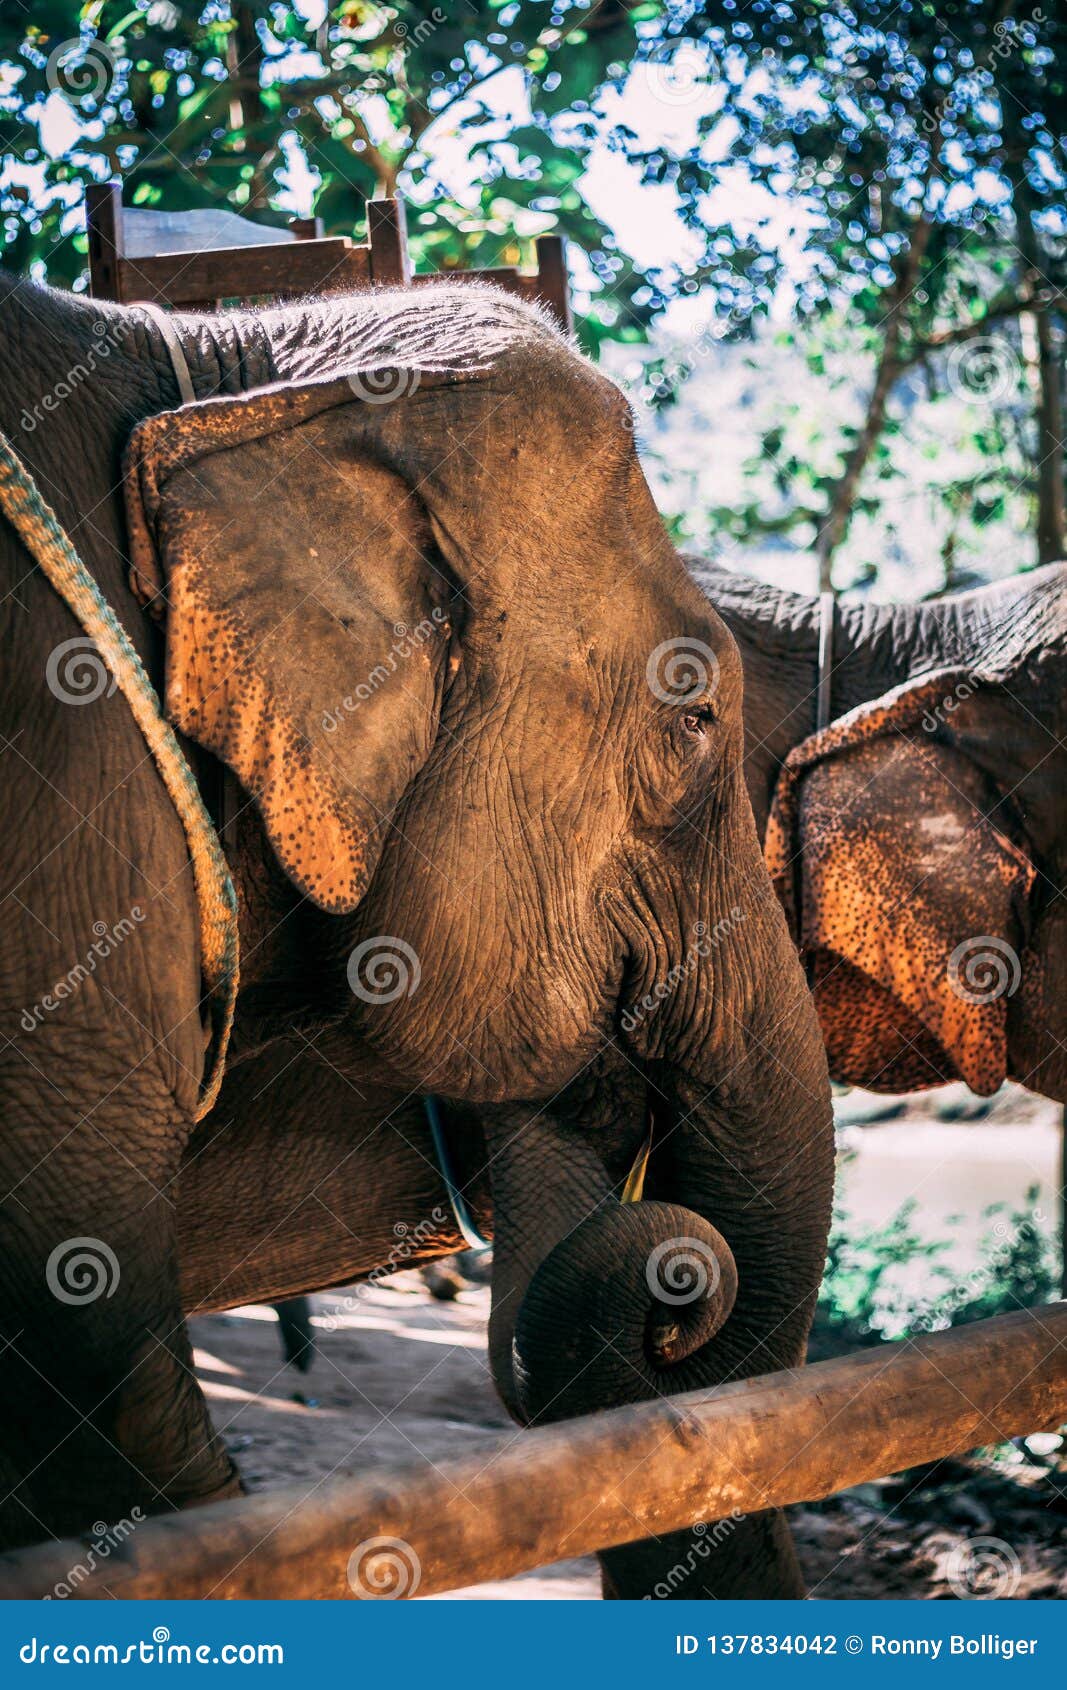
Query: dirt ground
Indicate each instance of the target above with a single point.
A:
(400, 1376)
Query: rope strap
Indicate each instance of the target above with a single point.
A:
(44, 538)
(176, 351)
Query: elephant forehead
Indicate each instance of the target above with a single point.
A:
(534, 447)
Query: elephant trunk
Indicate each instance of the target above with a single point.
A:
(712, 1277)
(644, 1287)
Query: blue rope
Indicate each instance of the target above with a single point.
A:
(462, 1215)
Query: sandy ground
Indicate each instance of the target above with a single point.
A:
(399, 1376)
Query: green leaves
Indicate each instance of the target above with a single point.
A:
(868, 1294)
(196, 102)
(816, 146)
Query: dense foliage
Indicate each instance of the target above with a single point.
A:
(878, 179)
(216, 103)
(929, 148)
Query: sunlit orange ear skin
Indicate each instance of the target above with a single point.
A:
(216, 695)
(283, 559)
(909, 907)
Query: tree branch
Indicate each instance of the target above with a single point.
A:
(843, 494)
(998, 312)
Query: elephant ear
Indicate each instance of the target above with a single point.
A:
(908, 902)
(306, 623)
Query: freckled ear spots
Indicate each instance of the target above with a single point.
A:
(885, 907)
(313, 671)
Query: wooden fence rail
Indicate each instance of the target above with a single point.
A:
(559, 1491)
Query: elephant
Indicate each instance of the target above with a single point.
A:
(979, 683)
(395, 569)
(296, 1331)
(919, 842)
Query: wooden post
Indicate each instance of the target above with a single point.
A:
(103, 227)
(306, 228)
(553, 281)
(387, 237)
(559, 1491)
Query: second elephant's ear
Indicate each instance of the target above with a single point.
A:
(306, 623)
(908, 902)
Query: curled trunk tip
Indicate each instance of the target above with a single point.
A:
(633, 1291)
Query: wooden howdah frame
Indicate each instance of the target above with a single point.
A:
(201, 260)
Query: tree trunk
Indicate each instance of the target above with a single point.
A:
(244, 59)
(1051, 514)
(890, 364)
(1048, 399)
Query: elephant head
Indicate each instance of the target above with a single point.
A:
(908, 881)
(428, 613)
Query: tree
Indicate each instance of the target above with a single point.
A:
(925, 149)
(928, 144)
(213, 102)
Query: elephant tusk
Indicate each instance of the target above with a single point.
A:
(634, 1189)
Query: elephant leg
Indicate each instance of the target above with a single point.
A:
(103, 1414)
(296, 1332)
(730, 1560)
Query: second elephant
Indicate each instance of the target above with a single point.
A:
(920, 842)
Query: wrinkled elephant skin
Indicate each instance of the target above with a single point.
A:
(493, 841)
(919, 842)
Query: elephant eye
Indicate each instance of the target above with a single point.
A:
(696, 721)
